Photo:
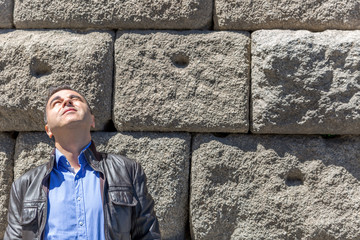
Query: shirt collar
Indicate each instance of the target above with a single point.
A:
(61, 157)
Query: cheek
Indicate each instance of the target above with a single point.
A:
(52, 113)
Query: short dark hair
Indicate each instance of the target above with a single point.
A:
(54, 89)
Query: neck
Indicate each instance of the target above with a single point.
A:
(70, 144)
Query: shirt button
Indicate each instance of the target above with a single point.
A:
(81, 223)
(79, 198)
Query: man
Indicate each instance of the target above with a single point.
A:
(80, 193)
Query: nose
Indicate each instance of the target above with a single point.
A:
(67, 102)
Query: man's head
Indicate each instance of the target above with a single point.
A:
(65, 107)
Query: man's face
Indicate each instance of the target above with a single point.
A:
(67, 108)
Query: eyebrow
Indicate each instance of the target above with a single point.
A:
(54, 99)
(58, 97)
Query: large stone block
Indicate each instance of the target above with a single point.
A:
(32, 61)
(275, 187)
(7, 146)
(164, 156)
(305, 83)
(32, 149)
(114, 14)
(284, 14)
(182, 81)
(6, 13)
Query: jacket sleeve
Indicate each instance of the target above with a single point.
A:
(13, 229)
(146, 224)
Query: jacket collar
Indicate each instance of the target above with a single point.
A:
(93, 157)
(50, 164)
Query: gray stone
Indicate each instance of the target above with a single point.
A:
(305, 83)
(32, 61)
(7, 146)
(284, 14)
(32, 149)
(114, 14)
(6, 12)
(164, 156)
(275, 187)
(182, 81)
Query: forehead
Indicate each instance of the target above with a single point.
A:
(64, 93)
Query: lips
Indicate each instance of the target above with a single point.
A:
(69, 110)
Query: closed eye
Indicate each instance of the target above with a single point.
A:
(55, 100)
(75, 97)
(55, 103)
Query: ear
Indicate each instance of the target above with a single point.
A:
(48, 131)
(92, 121)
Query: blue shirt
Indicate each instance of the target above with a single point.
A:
(74, 203)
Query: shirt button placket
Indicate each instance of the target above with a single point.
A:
(80, 204)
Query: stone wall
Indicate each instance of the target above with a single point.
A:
(244, 114)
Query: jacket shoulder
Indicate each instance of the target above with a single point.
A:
(120, 161)
(120, 170)
(30, 182)
(31, 174)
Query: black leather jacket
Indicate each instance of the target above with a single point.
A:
(128, 207)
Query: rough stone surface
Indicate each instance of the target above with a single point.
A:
(6, 12)
(164, 156)
(305, 83)
(114, 14)
(7, 146)
(285, 14)
(182, 81)
(32, 61)
(32, 150)
(275, 187)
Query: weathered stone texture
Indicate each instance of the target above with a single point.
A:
(32, 61)
(182, 81)
(275, 187)
(6, 12)
(164, 156)
(114, 14)
(7, 146)
(285, 14)
(305, 83)
(32, 150)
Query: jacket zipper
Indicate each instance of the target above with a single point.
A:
(105, 213)
(106, 234)
(43, 222)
